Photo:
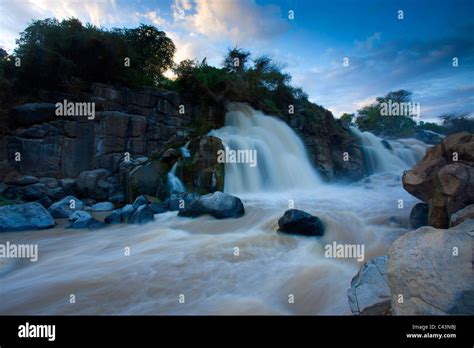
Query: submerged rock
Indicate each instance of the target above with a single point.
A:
(369, 293)
(218, 204)
(296, 221)
(28, 216)
(432, 269)
(65, 207)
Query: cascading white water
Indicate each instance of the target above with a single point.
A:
(173, 182)
(282, 160)
(394, 155)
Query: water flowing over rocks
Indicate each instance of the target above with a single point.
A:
(298, 222)
(444, 178)
(27, 216)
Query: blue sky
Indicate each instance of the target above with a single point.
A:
(384, 53)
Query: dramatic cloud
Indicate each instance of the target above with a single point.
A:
(15, 15)
(239, 22)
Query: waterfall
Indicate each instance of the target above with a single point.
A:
(389, 155)
(282, 161)
(185, 151)
(173, 182)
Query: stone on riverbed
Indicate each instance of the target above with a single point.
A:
(28, 216)
(218, 204)
(299, 222)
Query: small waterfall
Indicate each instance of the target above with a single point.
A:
(173, 182)
(389, 155)
(282, 162)
(185, 151)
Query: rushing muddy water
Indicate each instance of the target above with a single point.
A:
(197, 258)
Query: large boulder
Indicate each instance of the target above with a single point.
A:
(90, 183)
(65, 207)
(80, 219)
(369, 293)
(28, 216)
(143, 177)
(444, 178)
(102, 206)
(218, 204)
(298, 222)
(430, 271)
(201, 171)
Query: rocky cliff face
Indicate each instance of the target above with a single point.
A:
(125, 150)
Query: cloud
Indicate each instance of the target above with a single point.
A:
(239, 22)
(15, 15)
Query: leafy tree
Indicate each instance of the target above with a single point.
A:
(347, 117)
(236, 60)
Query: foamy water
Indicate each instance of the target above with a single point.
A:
(175, 256)
(195, 257)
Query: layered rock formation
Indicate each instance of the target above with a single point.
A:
(444, 178)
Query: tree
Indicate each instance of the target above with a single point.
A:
(236, 60)
(155, 51)
(347, 117)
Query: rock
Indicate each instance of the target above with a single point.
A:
(201, 171)
(117, 198)
(88, 183)
(142, 215)
(56, 193)
(102, 206)
(23, 180)
(428, 137)
(80, 219)
(114, 218)
(444, 178)
(146, 178)
(369, 293)
(33, 113)
(28, 216)
(432, 269)
(63, 209)
(419, 215)
(127, 212)
(68, 185)
(34, 192)
(170, 156)
(218, 204)
(49, 182)
(158, 208)
(296, 221)
(462, 215)
(180, 200)
(139, 201)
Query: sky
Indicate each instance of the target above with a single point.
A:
(384, 52)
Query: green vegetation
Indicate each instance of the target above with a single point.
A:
(370, 118)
